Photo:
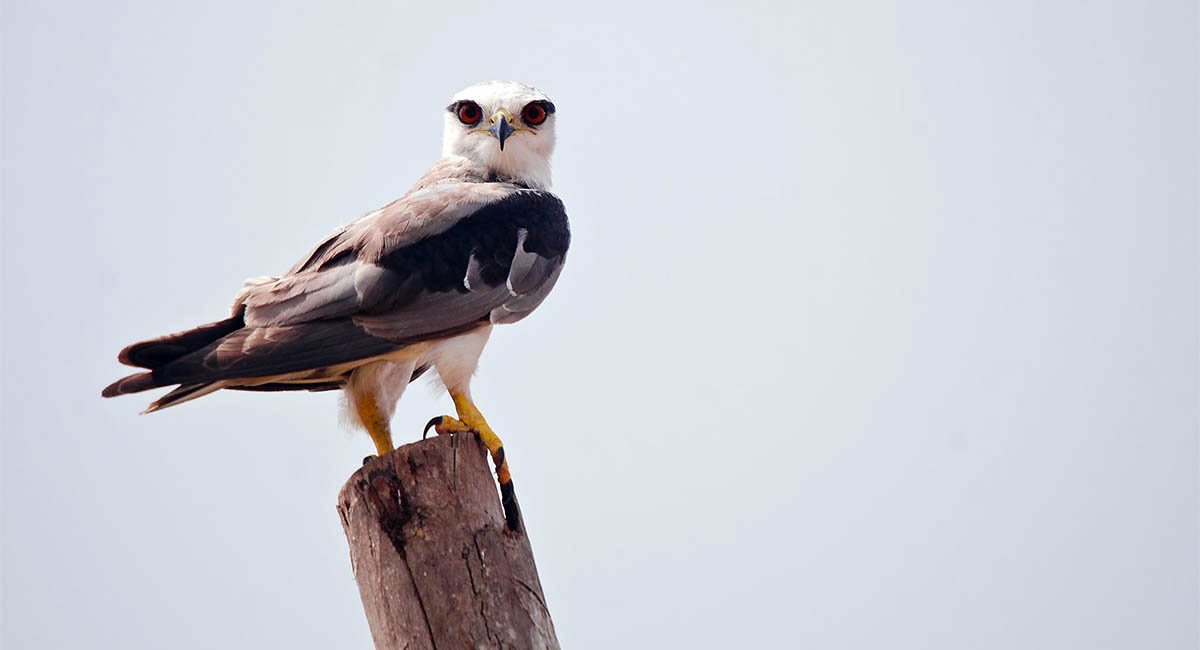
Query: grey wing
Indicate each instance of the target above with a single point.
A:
(456, 256)
(270, 351)
(424, 212)
(332, 338)
(529, 280)
(341, 276)
(496, 263)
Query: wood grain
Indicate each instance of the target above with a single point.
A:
(435, 564)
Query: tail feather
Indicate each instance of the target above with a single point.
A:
(227, 354)
(134, 383)
(184, 393)
(158, 352)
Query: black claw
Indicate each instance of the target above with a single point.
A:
(431, 424)
(369, 459)
(512, 512)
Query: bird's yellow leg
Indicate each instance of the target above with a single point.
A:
(375, 422)
(470, 419)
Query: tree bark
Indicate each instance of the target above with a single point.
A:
(435, 564)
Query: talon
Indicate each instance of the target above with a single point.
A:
(368, 459)
(443, 425)
(435, 422)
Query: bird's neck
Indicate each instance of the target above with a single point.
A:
(460, 168)
(521, 169)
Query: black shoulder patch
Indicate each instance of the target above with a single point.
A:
(439, 263)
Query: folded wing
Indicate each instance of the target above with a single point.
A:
(441, 261)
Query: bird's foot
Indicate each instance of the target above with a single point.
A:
(473, 422)
(446, 425)
(508, 495)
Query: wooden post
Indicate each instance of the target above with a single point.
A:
(435, 564)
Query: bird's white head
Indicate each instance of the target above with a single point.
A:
(504, 126)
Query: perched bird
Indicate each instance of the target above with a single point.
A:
(417, 284)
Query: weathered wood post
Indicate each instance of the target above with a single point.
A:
(435, 564)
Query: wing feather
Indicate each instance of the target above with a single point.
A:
(461, 275)
(269, 351)
(444, 259)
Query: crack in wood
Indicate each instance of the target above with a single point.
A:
(421, 602)
(487, 628)
(536, 595)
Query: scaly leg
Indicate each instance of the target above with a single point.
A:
(371, 394)
(375, 422)
(470, 419)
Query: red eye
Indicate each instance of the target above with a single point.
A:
(469, 113)
(534, 114)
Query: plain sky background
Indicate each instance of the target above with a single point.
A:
(879, 327)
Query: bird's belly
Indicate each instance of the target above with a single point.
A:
(454, 358)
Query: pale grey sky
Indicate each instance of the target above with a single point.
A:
(879, 327)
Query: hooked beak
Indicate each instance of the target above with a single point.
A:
(501, 127)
